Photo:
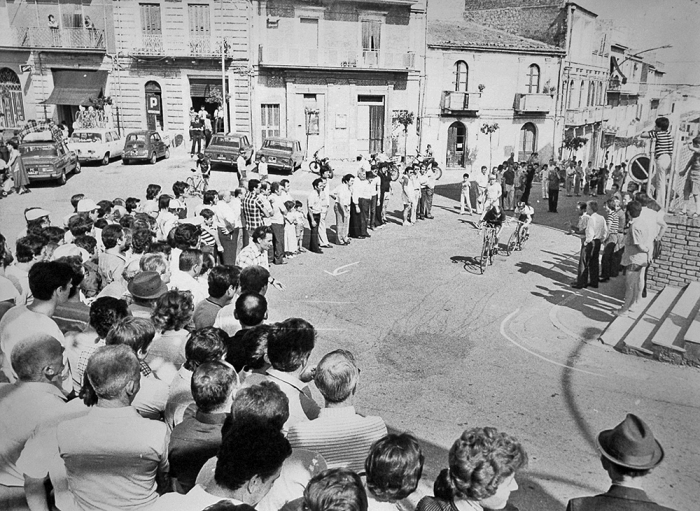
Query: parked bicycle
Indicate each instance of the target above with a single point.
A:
(379, 163)
(197, 185)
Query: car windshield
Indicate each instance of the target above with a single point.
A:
(86, 137)
(38, 150)
(279, 145)
(136, 137)
(226, 142)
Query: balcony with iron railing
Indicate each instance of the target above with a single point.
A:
(460, 103)
(61, 38)
(286, 56)
(192, 46)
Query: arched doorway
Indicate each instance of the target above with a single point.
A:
(11, 103)
(154, 106)
(528, 141)
(456, 145)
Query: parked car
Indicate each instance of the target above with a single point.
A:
(45, 159)
(144, 145)
(281, 153)
(224, 149)
(98, 144)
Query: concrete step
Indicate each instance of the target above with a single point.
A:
(619, 327)
(692, 335)
(678, 320)
(650, 320)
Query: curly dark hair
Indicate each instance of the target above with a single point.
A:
(480, 460)
(173, 310)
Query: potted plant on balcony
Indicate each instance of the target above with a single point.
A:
(490, 129)
(481, 87)
(547, 88)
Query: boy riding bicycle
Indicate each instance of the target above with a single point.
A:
(524, 213)
(204, 164)
(495, 218)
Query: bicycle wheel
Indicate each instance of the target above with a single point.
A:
(512, 241)
(314, 167)
(523, 239)
(192, 187)
(485, 253)
(438, 173)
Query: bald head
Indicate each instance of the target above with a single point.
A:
(251, 309)
(37, 358)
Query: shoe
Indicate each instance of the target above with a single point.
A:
(319, 251)
(283, 262)
(577, 286)
(430, 217)
(603, 280)
(327, 246)
(593, 286)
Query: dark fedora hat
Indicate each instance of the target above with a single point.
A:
(147, 285)
(630, 444)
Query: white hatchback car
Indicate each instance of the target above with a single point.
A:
(96, 144)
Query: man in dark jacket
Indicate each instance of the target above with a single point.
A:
(628, 453)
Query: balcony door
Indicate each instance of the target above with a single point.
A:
(151, 29)
(456, 145)
(11, 103)
(370, 124)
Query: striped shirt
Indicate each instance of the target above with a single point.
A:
(613, 223)
(340, 435)
(664, 142)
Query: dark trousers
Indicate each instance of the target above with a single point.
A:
(314, 242)
(246, 236)
(230, 243)
(207, 138)
(196, 143)
(426, 201)
(607, 261)
(589, 266)
(278, 243)
(617, 262)
(553, 200)
(364, 215)
(372, 218)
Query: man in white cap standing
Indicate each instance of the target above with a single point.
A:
(628, 453)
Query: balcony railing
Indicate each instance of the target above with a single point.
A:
(334, 58)
(192, 46)
(454, 103)
(66, 38)
(533, 103)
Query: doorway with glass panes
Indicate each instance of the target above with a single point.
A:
(370, 124)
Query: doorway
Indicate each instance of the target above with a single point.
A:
(370, 124)
(154, 106)
(456, 145)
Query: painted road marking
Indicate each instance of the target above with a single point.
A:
(337, 271)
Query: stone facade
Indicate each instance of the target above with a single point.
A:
(679, 263)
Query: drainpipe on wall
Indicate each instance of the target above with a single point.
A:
(423, 79)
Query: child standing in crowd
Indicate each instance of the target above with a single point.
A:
(211, 244)
(298, 216)
(290, 233)
(692, 183)
(663, 150)
(464, 196)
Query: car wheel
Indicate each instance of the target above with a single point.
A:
(167, 153)
(105, 160)
(125, 161)
(153, 159)
(78, 168)
(62, 179)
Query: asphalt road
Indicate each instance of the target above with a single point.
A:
(443, 348)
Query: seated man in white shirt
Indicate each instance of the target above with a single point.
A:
(339, 434)
(250, 460)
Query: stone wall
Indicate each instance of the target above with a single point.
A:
(679, 263)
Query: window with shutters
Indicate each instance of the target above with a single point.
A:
(533, 79)
(200, 34)
(270, 120)
(11, 102)
(150, 19)
(528, 141)
(371, 41)
(461, 76)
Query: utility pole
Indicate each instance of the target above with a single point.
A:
(224, 104)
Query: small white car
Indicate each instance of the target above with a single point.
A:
(96, 144)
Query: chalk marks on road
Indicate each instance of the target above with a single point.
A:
(338, 271)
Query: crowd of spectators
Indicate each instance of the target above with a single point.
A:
(140, 370)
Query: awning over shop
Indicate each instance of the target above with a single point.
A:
(76, 87)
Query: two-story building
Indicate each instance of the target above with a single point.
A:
(479, 76)
(334, 74)
(581, 87)
(170, 59)
(54, 57)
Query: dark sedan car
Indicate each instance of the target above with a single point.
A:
(146, 145)
(45, 159)
(225, 149)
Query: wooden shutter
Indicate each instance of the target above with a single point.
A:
(199, 18)
(150, 19)
(371, 33)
